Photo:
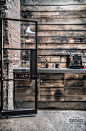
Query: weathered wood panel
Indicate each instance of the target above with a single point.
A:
(50, 2)
(51, 98)
(52, 92)
(49, 58)
(75, 83)
(55, 39)
(75, 98)
(50, 81)
(26, 98)
(23, 91)
(56, 46)
(57, 52)
(52, 76)
(75, 76)
(54, 42)
(26, 94)
(55, 27)
(59, 84)
(59, 21)
(75, 91)
(53, 15)
(25, 83)
(54, 8)
(58, 33)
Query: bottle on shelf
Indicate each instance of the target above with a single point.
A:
(46, 64)
(56, 65)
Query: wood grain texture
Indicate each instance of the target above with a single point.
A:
(52, 76)
(75, 76)
(54, 27)
(75, 98)
(49, 58)
(54, 39)
(51, 98)
(59, 84)
(54, 2)
(57, 92)
(75, 91)
(64, 46)
(55, 42)
(53, 15)
(54, 8)
(56, 46)
(51, 81)
(75, 83)
(57, 33)
(57, 52)
(27, 98)
(59, 21)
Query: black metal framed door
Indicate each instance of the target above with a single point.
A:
(18, 67)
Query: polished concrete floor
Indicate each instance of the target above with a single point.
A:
(47, 120)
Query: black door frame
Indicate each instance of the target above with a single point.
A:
(17, 112)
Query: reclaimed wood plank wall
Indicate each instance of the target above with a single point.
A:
(53, 38)
(61, 29)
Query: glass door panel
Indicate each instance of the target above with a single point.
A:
(19, 74)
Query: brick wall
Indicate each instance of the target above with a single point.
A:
(11, 57)
(2, 12)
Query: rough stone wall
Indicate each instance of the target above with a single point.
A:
(13, 11)
(2, 13)
(11, 57)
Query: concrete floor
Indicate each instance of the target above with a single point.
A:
(47, 120)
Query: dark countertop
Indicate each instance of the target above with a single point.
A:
(50, 70)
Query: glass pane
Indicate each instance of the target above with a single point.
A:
(19, 94)
(15, 59)
(19, 34)
(18, 89)
(25, 94)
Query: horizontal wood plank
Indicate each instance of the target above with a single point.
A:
(52, 76)
(64, 46)
(55, 39)
(75, 98)
(59, 84)
(55, 46)
(57, 52)
(54, 27)
(54, 8)
(75, 83)
(54, 2)
(75, 76)
(48, 58)
(28, 98)
(56, 33)
(51, 81)
(51, 98)
(59, 21)
(74, 91)
(57, 92)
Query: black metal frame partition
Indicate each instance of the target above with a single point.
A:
(33, 76)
